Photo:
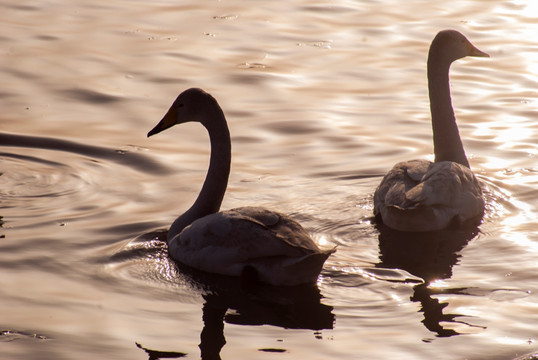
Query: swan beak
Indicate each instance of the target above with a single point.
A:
(167, 121)
(473, 51)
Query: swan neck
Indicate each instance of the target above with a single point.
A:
(446, 138)
(210, 198)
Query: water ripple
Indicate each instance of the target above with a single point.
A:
(30, 177)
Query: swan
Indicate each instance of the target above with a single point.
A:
(251, 242)
(420, 195)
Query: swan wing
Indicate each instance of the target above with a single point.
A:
(281, 227)
(403, 177)
(445, 183)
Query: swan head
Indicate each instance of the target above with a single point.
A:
(451, 45)
(192, 105)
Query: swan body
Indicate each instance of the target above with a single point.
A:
(421, 195)
(241, 241)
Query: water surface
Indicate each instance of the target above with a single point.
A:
(322, 98)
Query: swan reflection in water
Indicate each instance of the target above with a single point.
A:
(430, 256)
(239, 301)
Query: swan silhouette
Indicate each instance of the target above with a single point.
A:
(420, 195)
(252, 242)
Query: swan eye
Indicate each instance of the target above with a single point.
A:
(180, 105)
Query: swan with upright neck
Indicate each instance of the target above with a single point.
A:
(246, 241)
(420, 195)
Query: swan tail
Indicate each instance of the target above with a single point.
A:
(307, 268)
(287, 271)
(417, 218)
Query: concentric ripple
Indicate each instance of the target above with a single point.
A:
(77, 180)
(25, 176)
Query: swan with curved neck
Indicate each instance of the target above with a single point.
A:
(420, 195)
(246, 241)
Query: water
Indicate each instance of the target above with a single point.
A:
(322, 98)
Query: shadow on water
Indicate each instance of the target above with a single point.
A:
(2, 235)
(134, 160)
(233, 301)
(430, 256)
(156, 354)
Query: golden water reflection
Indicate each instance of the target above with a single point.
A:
(322, 99)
